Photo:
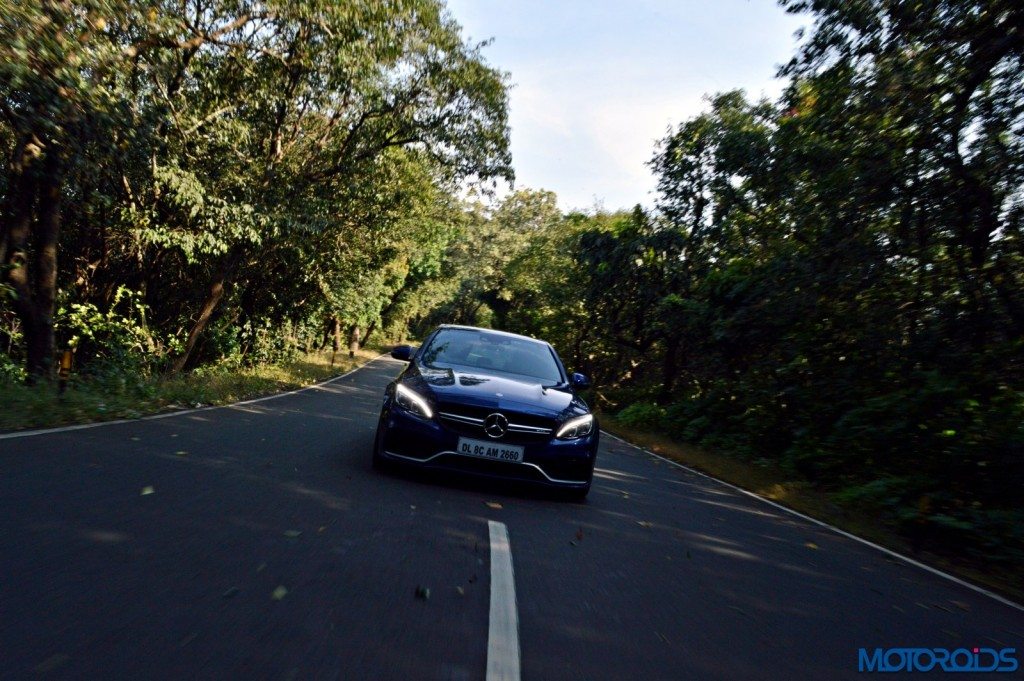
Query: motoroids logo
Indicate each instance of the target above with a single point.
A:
(936, 659)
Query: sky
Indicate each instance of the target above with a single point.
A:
(596, 84)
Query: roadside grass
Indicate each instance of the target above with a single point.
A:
(774, 484)
(125, 395)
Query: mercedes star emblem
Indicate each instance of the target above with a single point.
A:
(495, 425)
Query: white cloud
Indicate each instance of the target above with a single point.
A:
(598, 83)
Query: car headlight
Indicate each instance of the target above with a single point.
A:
(577, 427)
(412, 401)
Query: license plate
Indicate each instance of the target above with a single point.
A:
(490, 450)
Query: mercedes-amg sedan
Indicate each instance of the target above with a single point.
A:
(489, 403)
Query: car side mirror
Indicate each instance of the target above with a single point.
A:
(402, 352)
(580, 381)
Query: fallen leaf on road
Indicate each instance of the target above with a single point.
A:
(279, 593)
(292, 534)
(492, 504)
(811, 545)
(148, 489)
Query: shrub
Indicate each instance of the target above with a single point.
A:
(643, 415)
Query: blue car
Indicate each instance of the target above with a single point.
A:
(489, 403)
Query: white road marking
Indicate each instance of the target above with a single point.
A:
(503, 636)
(861, 540)
(153, 417)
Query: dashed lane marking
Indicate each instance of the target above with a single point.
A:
(503, 633)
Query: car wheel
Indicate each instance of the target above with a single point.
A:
(379, 462)
(578, 495)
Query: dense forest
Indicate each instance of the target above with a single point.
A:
(831, 283)
(190, 181)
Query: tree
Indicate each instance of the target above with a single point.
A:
(188, 142)
(56, 66)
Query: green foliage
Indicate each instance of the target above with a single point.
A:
(643, 415)
(262, 344)
(830, 284)
(116, 394)
(10, 371)
(113, 340)
(278, 165)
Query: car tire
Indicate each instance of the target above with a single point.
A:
(379, 462)
(578, 495)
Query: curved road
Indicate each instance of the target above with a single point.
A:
(254, 541)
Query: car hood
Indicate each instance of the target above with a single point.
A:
(494, 391)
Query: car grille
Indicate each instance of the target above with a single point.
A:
(509, 471)
(569, 471)
(522, 428)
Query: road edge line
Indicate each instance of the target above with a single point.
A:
(503, 627)
(821, 523)
(181, 412)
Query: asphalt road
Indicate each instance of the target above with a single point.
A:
(255, 541)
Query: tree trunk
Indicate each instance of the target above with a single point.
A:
(213, 297)
(668, 371)
(15, 250)
(18, 212)
(326, 334)
(44, 275)
(370, 329)
(353, 340)
(30, 251)
(335, 333)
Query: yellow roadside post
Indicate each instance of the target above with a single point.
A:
(64, 372)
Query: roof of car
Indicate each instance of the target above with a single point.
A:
(494, 331)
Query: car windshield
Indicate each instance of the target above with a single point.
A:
(492, 352)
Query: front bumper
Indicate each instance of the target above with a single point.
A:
(566, 464)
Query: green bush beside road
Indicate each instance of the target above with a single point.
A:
(125, 395)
